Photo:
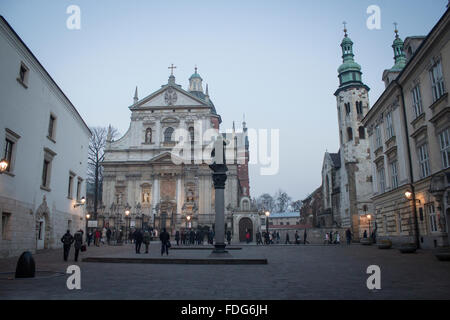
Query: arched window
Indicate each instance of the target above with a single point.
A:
(148, 135)
(362, 132)
(347, 108)
(168, 135)
(359, 107)
(349, 134)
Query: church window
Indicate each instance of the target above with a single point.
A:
(359, 107)
(148, 135)
(362, 132)
(347, 108)
(349, 134)
(168, 135)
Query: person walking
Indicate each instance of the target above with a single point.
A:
(103, 235)
(305, 235)
(97, 237)
(177, 237)
(146, 239)
(247, 237)
(78, 242)
(287, 239)
(67, 240)
(365, 234)
(229, 237)
(183, 237)
(338, 238)
(327, 238)
(138, 238)
(297, 238)
(348, 235)
(165, 241)
(89, 238)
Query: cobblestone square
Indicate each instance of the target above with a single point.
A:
(292, 273)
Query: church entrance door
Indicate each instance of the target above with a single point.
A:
(245, 224)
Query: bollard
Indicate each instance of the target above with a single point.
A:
(25, 266)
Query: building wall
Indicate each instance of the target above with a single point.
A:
(24, 114)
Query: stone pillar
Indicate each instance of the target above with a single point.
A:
(219, 185)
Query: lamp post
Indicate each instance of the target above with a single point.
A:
(410, 195)
(88, 216)
(267, 213)
(127, 218)
(369, 218)
(188, 219)
(82, 202)
(3, 165)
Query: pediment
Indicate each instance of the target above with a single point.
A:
(170, 96)
(166, 158)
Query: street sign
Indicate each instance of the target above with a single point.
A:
(92, 224)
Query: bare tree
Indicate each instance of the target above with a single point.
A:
(265, 202)
(96, 156)
(282, 201)
(296, 205)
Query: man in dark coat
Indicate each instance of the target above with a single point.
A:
(348, 235)
(177, 237)
(78, 239)
(165, 241)
(67, 241)
(138, 238)
(108, 236)
(287, 239)
(229, 237)
(305, 235)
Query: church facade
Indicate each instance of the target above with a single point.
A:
(157, 172)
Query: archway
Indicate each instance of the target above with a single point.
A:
(43, 228)
(245, 224)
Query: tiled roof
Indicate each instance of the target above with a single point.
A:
(285, 215)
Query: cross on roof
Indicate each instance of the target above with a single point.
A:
(172, 67)
(396, 29)
(345, 27)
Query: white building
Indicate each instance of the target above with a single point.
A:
(45, 141)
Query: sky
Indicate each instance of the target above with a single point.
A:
(275, 61)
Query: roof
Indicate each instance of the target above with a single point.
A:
(285, 215)
(2, 19)
(336, 158)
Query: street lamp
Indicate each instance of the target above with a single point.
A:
(3, 165)
(127, 214)
(267, 213)
(369, 217)
(188, 219)
(88, 216)
(82, 202)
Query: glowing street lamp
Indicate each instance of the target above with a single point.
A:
(3, 165)
(408, 194)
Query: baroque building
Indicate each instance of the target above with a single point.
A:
(156, 170)
(408, 130)
(44, 142)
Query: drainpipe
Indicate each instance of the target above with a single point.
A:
(416, 222)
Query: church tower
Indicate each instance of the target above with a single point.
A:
(352, 99)
(195, 82)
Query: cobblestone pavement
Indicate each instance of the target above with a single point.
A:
(293, 272)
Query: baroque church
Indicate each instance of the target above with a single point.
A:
(146, 178)
(346, 175)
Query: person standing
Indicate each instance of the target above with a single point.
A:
(278, 237)
(67, 240)
(89, 238)
(97, 237)
(287, 239)
(326, 240)
(108, 236)
(165, 241)
(146, 239)
(365, 234)
(247, 236)
(138, 238)
(297, 238)
(177, 237)
(338, 238)
(78, 239)
(103, 235)
(305, 235)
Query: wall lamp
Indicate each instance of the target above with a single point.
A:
(82, 202)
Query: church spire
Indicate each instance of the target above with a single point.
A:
(349, 72)
(136, 99)
(399, 53)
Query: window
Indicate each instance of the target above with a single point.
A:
(417, 101)
(362, 132)
(424, 160)
(437, 81)
(381, 180)
(444, 143)
(51, 127)
(46, 169)
(359, 107)
(8, 153)
(192, 134)
(389, 126)
(23, 75)
(79, 183)
(349, 134)
(432, 214)
(70, 187)
(6, 218)
(399, 222)
(378, 142)
(168, 135)
(148, 135)
(347, 108)
(394, 174)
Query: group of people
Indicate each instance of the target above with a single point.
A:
(274, 237)
(191, 237)
(67, 240)
(332, 238)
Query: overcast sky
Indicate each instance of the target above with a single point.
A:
(275, 61)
